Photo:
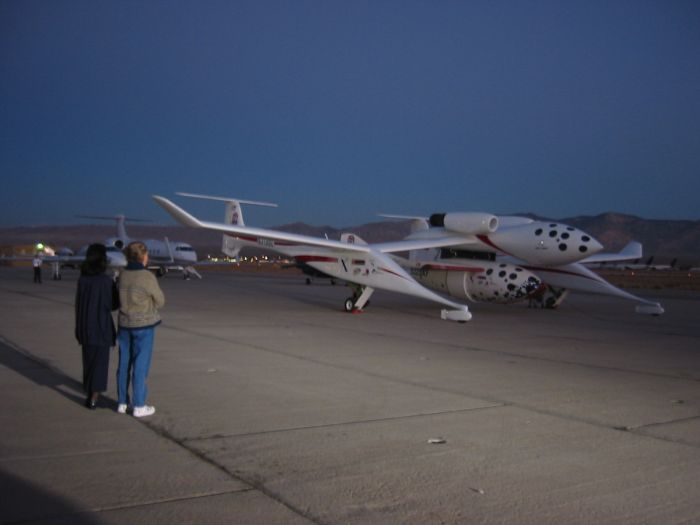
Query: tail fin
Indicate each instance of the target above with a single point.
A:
(351, 238)
(122, 238)
(428, 254)
(233, 214)
(121, 229)
(418, 224)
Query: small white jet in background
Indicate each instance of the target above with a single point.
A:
(163, 256)
(65, 257)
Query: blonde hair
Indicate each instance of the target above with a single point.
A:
(135, 252)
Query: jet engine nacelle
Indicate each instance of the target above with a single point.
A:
(543, 243)
(116, 242)
(482, 281)
(470, 223)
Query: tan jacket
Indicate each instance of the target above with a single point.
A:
(140, 298)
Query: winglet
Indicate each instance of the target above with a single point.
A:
(178, 213)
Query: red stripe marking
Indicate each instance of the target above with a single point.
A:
(470, 269)
(257, 240)
(316, 258)
(242, 237)
(392, 272)
(485, 239)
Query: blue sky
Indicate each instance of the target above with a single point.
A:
(338, 110)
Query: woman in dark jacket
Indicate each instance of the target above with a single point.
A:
(96, 298)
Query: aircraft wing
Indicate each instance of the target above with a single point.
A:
(422, 244)
(631, 252)
(63, 259)
(186, 219)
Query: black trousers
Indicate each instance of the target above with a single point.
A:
(95, 368)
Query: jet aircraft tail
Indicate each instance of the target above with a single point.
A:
(122, 238)
(418, 224)
(233, 214)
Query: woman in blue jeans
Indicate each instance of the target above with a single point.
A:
(140, 299)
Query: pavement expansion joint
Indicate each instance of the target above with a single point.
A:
(662, 423)
(342, 424)
(252, 484)
(43, 457)
(142, 504)
(590, 366)
(493, 400)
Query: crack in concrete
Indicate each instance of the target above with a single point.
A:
(341, 424)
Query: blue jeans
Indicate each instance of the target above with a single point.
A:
(135, 350)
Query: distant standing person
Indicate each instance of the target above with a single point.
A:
(36, 263)
(140, 299)
(95, 300)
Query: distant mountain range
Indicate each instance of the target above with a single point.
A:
(665, 239)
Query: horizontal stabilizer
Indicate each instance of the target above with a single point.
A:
(631, 252)
(226, 199)
(112, 218)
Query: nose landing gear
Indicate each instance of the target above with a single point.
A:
(359, 299)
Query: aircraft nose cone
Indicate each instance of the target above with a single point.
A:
(588, 245)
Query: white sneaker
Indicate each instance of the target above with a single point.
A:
(122, 408)
(144, 411)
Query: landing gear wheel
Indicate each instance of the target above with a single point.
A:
(308, 281)
(349, 304)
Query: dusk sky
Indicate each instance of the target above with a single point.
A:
(338, 110)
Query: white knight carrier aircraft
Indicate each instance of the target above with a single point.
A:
(467, 255)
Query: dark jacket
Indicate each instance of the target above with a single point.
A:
(95, 299)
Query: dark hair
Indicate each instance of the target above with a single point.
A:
(95, 262)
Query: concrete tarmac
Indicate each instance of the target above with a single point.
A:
(274, 406)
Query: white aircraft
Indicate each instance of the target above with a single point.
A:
(65, 257)
(163, 256)
(545, 247)
(497, 268)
